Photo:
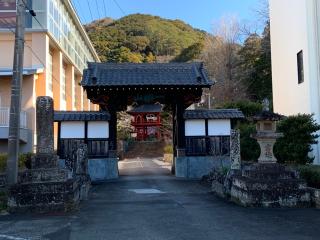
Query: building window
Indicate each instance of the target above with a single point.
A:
(8, 5)
(300, 67)
(8, 14)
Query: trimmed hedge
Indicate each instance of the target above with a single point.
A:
(24, 161)
(299, 133)
(3, 200)
(311, 174)
(250, 150)
(248, 108)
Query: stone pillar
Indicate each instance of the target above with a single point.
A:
(235, 156)
(266, 153)
(82, 160)
(45, 156)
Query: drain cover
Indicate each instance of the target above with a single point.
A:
(146, 191)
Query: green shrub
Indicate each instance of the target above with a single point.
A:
(311, 174)
(250, 149)
(248, 108)
(3, 200)
(298, 136)
(168, 149)
(24, 161)
(3, 162)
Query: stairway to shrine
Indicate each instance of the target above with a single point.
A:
(145, 150)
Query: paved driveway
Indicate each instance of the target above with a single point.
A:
(163, 207)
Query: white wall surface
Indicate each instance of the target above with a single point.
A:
(72, 130)
(289, 35)
(219, 127)
(295, 27)
(195, 128)
(98, 129)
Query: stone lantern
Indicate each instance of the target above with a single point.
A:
(266, 136)
(268, 183)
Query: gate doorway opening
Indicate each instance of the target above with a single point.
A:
(145, 141)
(114, 87)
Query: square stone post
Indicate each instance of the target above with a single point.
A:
(235, 156)
(45, 156)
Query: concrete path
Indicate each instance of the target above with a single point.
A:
(144, 166)
(162, 207)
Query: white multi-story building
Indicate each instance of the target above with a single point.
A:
(295, 45)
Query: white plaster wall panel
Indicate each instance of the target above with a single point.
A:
(72, 130)
(98, 129)
(195, 128)
(289, 35)
(219, 127)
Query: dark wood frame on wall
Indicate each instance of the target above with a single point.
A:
(97, 147)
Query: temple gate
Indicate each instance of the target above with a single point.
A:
(115, 86)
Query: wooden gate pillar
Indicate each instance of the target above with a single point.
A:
(181, 143)
(113, 133)
(178, 131)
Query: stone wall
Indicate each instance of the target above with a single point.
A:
(197, 167)
(103, 169)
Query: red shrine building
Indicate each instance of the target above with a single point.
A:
(146, 122)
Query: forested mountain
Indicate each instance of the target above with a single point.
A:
(242, 69)
(143, 38)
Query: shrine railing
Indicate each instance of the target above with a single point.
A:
(208, 146)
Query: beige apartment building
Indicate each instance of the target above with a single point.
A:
(57, 50)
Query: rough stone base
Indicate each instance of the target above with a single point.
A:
(43, 197)
(47, 190)
(315, 197)
(44, 161)
(269, 185)
(218, 189)
(197, 167)
(103, 169)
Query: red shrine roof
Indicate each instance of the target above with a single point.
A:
(147, 108)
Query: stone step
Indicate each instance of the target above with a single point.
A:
(45, 187)
(269, 167)
(249, 184)
(268, 175)
(43, 175)
(271, 198)
(44, 197)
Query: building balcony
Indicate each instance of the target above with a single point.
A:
(4, 124)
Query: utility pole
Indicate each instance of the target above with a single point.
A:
(15, 107)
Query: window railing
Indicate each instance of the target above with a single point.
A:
(5, 117)
(208, 146)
